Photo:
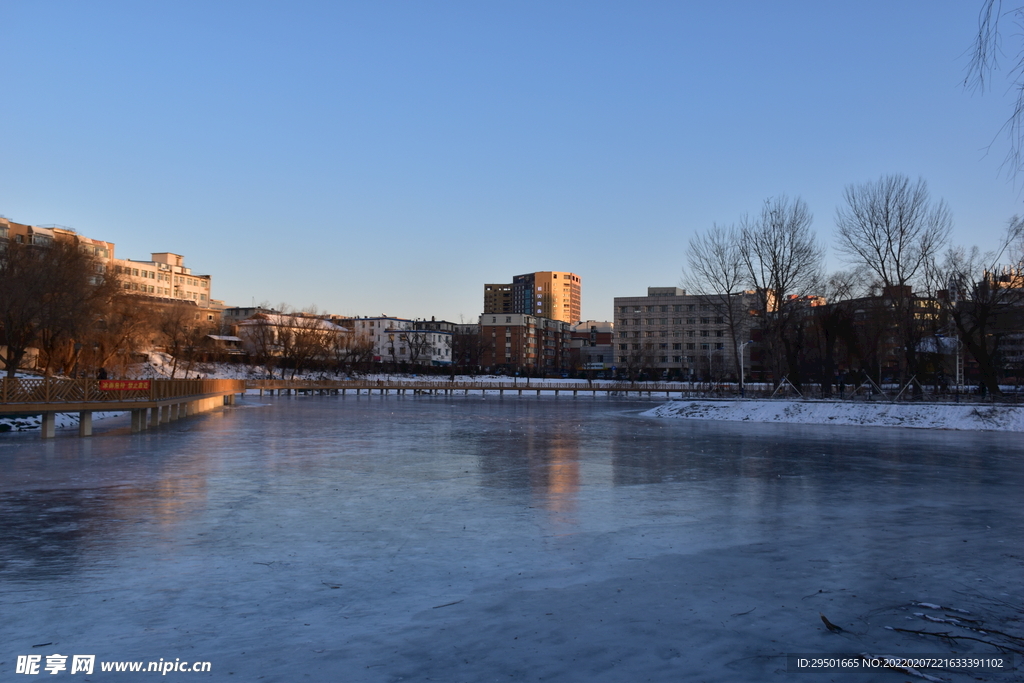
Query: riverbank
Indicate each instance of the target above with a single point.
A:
(965, 417)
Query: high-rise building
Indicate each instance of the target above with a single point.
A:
(549, 294)
(498, 298)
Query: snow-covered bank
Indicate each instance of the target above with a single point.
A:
(921, 416)
(63, 421)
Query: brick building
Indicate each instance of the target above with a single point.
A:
(517, 341)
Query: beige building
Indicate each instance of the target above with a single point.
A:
(548, 294)
(670, 330)
(165, 277)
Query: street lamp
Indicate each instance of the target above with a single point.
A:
(742, 346)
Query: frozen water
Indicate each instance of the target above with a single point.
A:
(468, 539)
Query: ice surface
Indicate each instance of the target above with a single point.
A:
(476, 539)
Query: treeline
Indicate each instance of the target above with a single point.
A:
(71, 309)
(905, 293)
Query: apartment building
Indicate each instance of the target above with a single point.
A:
(517, 340)
(498, 299)
(689, 334)
(165, 277)
(22, 233)
(548, 294)
(400, 340)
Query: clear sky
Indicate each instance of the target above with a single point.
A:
(392, 157)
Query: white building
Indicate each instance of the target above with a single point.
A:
(399, 340)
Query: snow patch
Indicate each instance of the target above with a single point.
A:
(915, 415)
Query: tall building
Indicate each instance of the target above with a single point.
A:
(549, 294)
(498, 298)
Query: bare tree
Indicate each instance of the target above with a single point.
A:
(126, 327)
(637, 358)
(783, 262)
(892, 229)
(305, 339)
(834, 323)
(260, 339)
(983, 299)
(467, 347)
(181, 331)
(717, 271)
(49, 295)
(985, 61)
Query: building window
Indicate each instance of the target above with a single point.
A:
(690, 346)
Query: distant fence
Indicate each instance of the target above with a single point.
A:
(695, 390)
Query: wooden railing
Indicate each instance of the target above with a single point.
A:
(52, 390)
(445, 385)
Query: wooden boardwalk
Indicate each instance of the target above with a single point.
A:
(444, 387)
(151, 402)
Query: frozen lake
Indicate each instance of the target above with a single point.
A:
(467, 539)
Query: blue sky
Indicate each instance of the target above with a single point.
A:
(392, 157)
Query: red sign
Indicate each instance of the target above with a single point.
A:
(124, 385)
